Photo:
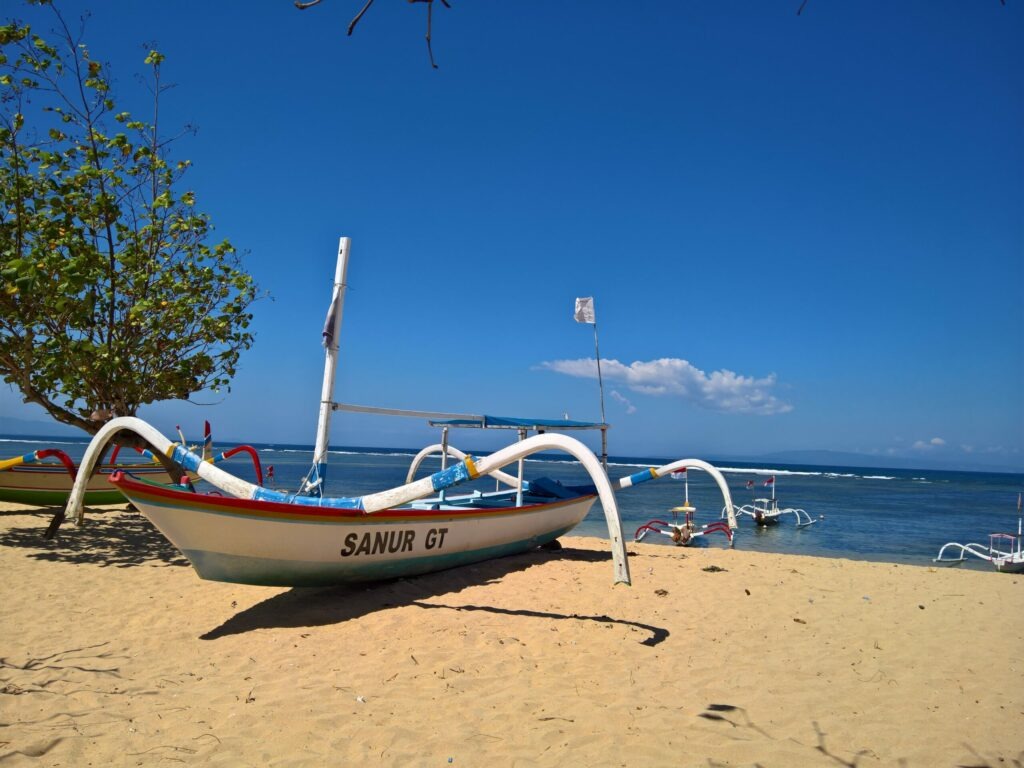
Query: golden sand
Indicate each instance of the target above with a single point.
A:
(114, 653)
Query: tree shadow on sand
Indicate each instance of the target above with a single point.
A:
(314, 607)
(108, 538)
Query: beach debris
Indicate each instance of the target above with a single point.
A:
(713, 569)
(661, 592)
(799, 621)
(747, 591)
(361, 699)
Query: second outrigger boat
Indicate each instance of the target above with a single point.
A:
(45, 477)
(767, 512)
(682, 530)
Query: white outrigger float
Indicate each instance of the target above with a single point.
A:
(1004, 549)
(766, 512)
(253, 535)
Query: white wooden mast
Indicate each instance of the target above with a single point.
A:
(332, 329)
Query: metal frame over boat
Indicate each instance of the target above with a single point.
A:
(524, 426)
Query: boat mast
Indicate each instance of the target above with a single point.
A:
(584, 313)
(332, 327)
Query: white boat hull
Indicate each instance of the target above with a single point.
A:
(275, 544)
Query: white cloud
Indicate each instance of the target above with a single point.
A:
(935, 442)
(720, 390)
(630, 408)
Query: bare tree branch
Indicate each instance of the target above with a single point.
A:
(352, 24)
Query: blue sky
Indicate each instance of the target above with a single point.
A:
(801, 232)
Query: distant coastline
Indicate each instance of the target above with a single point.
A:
(817, 461)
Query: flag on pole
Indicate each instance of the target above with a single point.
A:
(585, 310)
(750, 483)
(679, 474)
(770, 480)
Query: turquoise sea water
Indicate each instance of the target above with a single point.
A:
(898, 516)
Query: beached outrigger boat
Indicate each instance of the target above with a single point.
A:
(260, 536)
(31, 479)
(683, 530)
(766, 512)
(255, 535)
(1004, 549)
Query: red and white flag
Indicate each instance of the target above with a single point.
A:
(750, 483)
(679, 474)
(770, 480)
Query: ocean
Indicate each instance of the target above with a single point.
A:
(885, 515)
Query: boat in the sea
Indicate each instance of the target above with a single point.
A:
(45, 477)
(1004, 550)
(246, 533)
(682, 529)
(767, 512)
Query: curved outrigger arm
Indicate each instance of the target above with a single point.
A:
(978, 550)
(34, 456)
(675, 466)
(464, 471)
(455, 453)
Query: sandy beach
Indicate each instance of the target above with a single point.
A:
(115, 653)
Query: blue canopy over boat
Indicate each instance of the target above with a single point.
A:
(472, 421)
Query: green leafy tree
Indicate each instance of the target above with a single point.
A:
(113, 295)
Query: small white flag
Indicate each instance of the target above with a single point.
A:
(585, 310)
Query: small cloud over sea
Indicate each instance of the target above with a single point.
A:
(721, 390)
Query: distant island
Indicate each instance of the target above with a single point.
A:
(12, 427)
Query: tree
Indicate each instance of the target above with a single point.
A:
(112, 294)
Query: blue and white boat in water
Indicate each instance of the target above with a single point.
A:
(245, 533)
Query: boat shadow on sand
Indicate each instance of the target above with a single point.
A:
(113, 537)
(312, 607)
(126, 539)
